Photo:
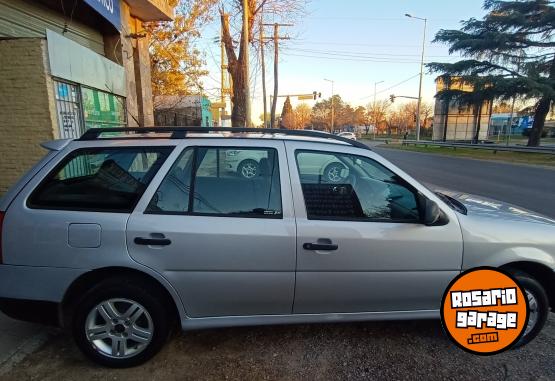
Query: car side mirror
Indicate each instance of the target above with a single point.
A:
(432, 214)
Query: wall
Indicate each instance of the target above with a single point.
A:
(27, 107)
(25, 18)
(460, 121)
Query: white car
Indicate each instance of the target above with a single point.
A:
(247, 163)
(348, 135)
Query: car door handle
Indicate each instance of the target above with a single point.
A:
(320, 246)
(152, 241)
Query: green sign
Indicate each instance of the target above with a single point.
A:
(101, 109)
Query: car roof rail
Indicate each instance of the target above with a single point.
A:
(181, 133)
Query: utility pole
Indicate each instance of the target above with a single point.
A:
(276, 39)
(332, 108)
(248, 121)
(421, 75)
(374, 107)
(263, 67)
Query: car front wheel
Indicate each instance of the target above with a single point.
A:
(538, 304)
(119, 324)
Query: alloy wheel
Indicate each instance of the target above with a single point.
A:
(248, 170)
(533, 315)
(119, 328)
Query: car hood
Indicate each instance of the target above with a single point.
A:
(480, 206)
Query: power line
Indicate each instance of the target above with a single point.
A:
(363, 54)
(351, 59)
(393, 86)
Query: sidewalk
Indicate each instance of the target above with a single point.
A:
(18, 339)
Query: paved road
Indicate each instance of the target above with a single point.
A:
(527, 186)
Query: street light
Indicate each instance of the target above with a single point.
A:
(421, 74)
(332, 116)
(374, 107)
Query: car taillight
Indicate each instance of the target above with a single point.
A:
(2, 214)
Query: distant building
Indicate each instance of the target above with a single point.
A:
(69, 65)
(176, 110)
(455, 121)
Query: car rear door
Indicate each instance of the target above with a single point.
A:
(360, 245)
(225, 239)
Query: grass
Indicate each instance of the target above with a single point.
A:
(509, 157)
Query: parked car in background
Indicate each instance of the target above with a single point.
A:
(119, 239)
(348, 135)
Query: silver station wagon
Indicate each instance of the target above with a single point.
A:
(118, 238)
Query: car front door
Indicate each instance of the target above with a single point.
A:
(223, 237)
(360, 241)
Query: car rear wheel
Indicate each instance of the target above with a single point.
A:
(120, 324)
(538, 304)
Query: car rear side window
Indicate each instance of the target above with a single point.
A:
(100, 179)
(222, 181)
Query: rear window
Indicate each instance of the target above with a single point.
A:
(100, 179)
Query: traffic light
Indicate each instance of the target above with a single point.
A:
(392, 98)
(316, 95)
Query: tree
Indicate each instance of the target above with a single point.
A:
(377, 113)
(510, 52)
(176, 65)
(236, 60)
(360, 118)
(303, 114)
(501, 107)
(287, 115)
(321, 113)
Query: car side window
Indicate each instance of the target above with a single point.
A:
(350, 187)
(100, 179)
(173, 193)
(222, 181)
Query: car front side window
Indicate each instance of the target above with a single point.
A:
(339, 186)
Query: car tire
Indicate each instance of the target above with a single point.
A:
(128, 339)
(248, 169)
(538, 303)
(332, 172)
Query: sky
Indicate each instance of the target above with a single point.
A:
(355, 43)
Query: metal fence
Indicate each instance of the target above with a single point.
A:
(486, 146)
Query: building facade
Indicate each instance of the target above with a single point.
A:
(454, 121)
(189, 110)
(70, 65)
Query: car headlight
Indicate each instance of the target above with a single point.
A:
(231, 153)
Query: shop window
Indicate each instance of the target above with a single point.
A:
(68, 105)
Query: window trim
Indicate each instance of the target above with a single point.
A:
(72, 155)
(362, 219)
(189, 211)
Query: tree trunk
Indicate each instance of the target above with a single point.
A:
(542, 109)
(477, 121)
(236, 70)
(238, 111)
